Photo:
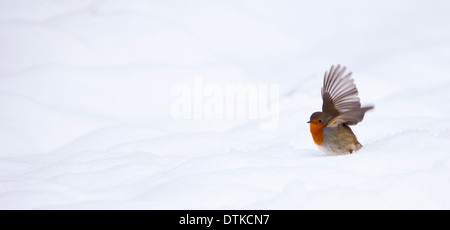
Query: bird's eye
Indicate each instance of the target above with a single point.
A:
(320, 121)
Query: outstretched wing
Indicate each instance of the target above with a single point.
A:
(340, 97)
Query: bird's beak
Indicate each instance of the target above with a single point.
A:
(308, 122)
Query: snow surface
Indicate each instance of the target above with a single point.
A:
(85, 104)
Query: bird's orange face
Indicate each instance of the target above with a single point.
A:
(316, 127)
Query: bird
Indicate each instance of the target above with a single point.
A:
(341, 107)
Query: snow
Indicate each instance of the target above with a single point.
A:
(85, 104)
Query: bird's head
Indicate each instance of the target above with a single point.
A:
(319, 119)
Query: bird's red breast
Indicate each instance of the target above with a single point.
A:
(316, 129)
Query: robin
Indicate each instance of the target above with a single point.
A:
(341, 108)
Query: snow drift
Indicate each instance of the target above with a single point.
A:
(85, 104)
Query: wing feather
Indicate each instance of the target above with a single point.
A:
(340, 97)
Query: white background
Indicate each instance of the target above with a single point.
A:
(85, 104)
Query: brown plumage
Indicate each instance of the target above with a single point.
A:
(341, 107)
